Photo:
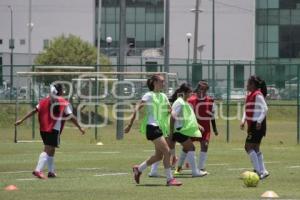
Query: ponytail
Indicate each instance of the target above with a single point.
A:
(183, 89)
(55, 91)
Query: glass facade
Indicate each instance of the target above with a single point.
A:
(277, 40)
(144, 25)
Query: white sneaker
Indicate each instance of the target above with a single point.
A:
(264, 175)
(199, 174)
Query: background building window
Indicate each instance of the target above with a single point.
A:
(1, 41)
(22, 41)
(46, 43)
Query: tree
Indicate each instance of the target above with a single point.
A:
(70, 50)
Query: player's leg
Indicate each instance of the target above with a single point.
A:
(203, 153)
(189, 147)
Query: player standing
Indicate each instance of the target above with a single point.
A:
(255, 116)
(52, 113)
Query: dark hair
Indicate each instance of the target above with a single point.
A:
(259, 84)
(59, 90)
(183, 89)
(151, 80)
(201, 83)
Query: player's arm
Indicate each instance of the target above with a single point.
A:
(242, 125)
(213, 120)
(172, 122)
(31, 113)
(138, 107)
(74, 120)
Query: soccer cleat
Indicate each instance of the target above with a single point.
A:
(264, 175)
(178, 171)
(201, 173)
(173, 182)
(39, 175)
(51, 175)
(136, 174)
(204, 171)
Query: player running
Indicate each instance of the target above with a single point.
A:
(155, 125)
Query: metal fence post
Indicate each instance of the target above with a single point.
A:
(298, 101)
(227, 104)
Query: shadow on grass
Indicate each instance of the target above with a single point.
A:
(151, 185)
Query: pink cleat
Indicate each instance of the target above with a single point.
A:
(173, 182)
(39, 175)
(136, 174)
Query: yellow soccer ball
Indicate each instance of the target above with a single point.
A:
(251, 179)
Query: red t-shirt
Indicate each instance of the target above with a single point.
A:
(203, 109)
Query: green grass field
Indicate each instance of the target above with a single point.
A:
(88, 171)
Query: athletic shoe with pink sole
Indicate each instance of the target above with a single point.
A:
(136, 174)
(39, 175)
(52, 175)
(173, 182)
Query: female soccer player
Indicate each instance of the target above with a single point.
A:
(204, 109)
(154, 126)
(255, 116)
(52, 113)
(184, 126)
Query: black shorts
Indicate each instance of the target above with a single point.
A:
(51, 139)
(153, 132)
(179, 137)
(255, 136)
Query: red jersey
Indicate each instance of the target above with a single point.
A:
(46, 119)
(203, 109)
(250, 105)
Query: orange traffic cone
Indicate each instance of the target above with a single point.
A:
(11, 188)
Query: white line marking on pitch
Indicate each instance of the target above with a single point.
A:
(293, 167)
(238, 149)
(27, 179)
(89, 169)
(16, 172)
(238, 169)
(112, 174)
(148, 150)
(271, 162)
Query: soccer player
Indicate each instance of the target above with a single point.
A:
(155, 125)
(52, 113)
(184, 126)
(255, 117)
(204, 108)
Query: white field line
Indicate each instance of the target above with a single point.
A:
(149, 150)
(294, 167)
(29, 141)
(238, 149)
(15, 172)
(27, 179)
(89, 169)
(112, 174)
(272, 162)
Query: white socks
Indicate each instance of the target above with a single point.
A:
(261, 163)
(202, 160)
(169, 175)
(142, 166)
(254, 159)
(50, 164)
(154, 168)
(181, 158)
(42, 161)
(192, 161)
